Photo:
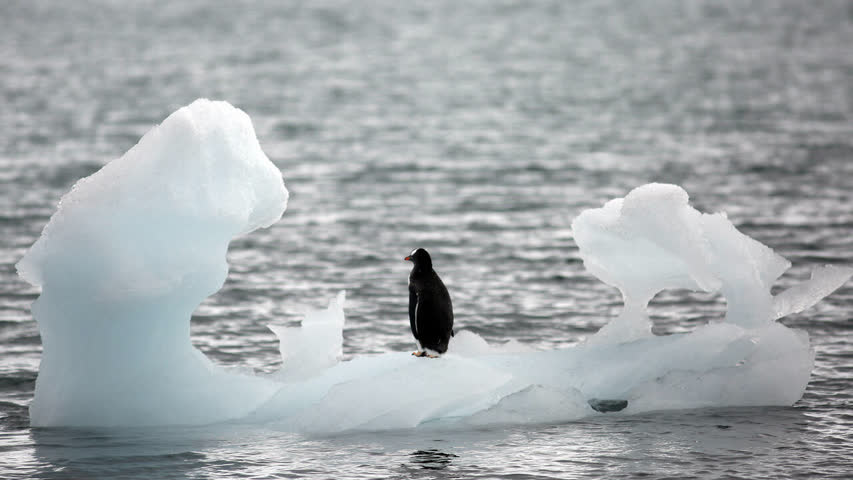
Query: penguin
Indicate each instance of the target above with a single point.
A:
(430, 309)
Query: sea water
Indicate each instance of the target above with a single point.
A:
(388, 139)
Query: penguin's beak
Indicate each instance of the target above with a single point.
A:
(408, 259)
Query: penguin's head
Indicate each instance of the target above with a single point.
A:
(420, 258)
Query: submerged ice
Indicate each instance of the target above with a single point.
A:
(133, 249)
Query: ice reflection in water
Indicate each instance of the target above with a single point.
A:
(431, 459)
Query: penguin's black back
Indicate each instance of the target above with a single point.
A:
(430, 307)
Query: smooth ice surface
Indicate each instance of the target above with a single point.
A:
(133, 250)
(313, 346)
(129, 254)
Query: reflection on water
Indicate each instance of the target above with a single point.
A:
(709, 443)
(129, 453)
(431, 459)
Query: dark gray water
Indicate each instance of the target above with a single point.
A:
(477, 130)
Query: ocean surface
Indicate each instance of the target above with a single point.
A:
(477, 130)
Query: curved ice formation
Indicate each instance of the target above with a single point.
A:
(653, 240)
(133, 249)
(129, 254)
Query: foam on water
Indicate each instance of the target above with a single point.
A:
(133, 249)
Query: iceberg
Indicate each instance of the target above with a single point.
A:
(133, 249)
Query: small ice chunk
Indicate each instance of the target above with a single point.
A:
(315, 345)
(824, 280)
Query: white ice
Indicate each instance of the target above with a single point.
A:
(133, 249)
(315, 345)
(129, 254)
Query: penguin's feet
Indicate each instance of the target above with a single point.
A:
(424, 354)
